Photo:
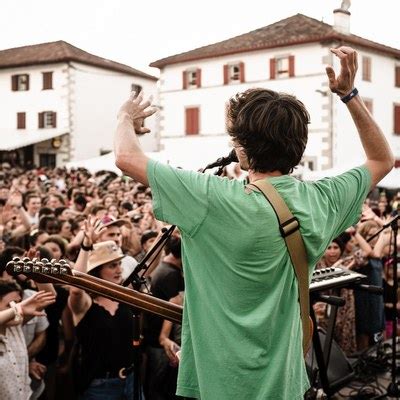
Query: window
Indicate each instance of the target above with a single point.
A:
(47, 160)
(366, 69)
(309, 163)
(47, 80)
(20, 82)
(368, 103)
(191, 78)
(21, 118)
(281, 67)
(397, 119)
(234, 73)
(47, 119)
(397, 76)
(192, 121)
(136, 88)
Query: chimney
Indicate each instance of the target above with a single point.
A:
(342, 18)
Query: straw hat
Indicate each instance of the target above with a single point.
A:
(109, 220)
(103, 253)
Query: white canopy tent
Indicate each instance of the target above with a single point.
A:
(390, 181)
(16, 140)
(187, 153)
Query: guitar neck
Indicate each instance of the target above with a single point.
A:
(61, 272)
(125, 295)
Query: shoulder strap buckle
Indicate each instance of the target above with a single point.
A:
(288, 227)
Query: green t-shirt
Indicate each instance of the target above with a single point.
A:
(241, 331)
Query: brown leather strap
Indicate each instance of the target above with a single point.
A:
(290, 231)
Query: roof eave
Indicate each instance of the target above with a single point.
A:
(326, 38)
(163, 63)
(69, 59)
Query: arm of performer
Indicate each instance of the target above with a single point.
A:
(129, 156)
(380, 159)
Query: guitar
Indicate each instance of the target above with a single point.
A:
(53, 271)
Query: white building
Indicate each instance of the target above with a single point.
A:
(59, 103)
(289, 56)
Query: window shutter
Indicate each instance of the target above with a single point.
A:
(198, 77)
(272, 68)
(397, 76)
(55, 120)
(291, 65)
(41, 120)
(47, 80)
(366, 71)
(397, 119)
(184, 80)
(21, 120)
(241, 72)
(368, 103)
(192, 121)
(226, 74)
(14, 83)
(27, 82)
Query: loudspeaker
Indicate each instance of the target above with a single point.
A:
(339, 368)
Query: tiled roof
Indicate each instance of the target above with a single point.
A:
(287, 32)
(60, 51)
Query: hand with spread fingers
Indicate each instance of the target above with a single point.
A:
(138, 109)
(33, 306)
(92, 229)
(343, 84)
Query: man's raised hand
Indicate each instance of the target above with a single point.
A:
(137, 109)
(343, 84)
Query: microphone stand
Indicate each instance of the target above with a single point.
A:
(393, 388)
(384, 227)
(137, 281)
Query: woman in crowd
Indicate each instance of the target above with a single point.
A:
(14, 370)
(101, 324)
(370, 320)
(345, 327)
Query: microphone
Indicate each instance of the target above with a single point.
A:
(222, 161)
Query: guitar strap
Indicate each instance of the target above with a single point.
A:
(289, 227)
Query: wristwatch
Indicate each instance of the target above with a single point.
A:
(18, 316)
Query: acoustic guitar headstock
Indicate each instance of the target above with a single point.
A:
(39, 270)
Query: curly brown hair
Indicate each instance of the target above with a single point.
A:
(271, 127)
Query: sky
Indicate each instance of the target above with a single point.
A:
(137, 33)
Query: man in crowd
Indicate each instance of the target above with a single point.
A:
(242, 335)
(166, 283)
(32, 205)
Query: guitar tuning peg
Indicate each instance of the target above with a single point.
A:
(53, 261)
(45, 269)
(27, 268)
(16, 259)
(34, 260)
(45, 260)
(26, 259)
(63, 270)
(55, 269)
(63, 262)
(36, 268)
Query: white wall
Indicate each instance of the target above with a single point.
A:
(310, 62)
(96, 96)
(384, 94)
(33, 101)
(212, 97)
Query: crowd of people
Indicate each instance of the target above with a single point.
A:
(103, 224)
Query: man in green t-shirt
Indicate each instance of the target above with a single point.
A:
(241, 332)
